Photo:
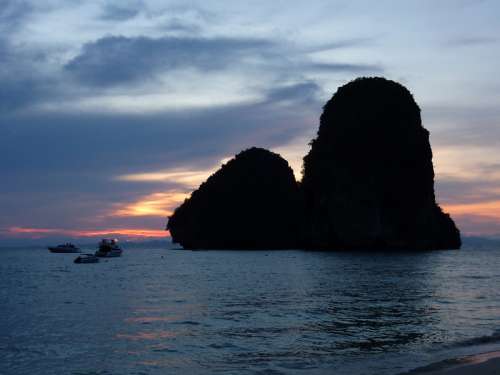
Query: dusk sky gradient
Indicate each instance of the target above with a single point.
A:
(112, 112)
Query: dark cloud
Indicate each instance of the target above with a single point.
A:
(490, 168)
(464, 126)
(454, 190)
(12, 14)
(121, 12)
(468, 41)
(23, 90)
(338, 44)
(478, 225)
(116, 60)
(66, 164)
(187, 11)
(342, 67)
(120, 60)
(178, 25)
(21, 83)
(482, 189)
(117, 142)
(59, 167)
(302, 92)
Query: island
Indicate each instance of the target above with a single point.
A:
(251, 202)
(368, 183)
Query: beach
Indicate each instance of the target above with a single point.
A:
(479, 364)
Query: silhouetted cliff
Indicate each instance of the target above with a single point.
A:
(368, 178)
(250, 203)
(368, 183)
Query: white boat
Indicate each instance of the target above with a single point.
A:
(86, 258)
(108, 248)
(64, 248)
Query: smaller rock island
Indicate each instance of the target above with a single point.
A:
(368, 183)
(251, 202)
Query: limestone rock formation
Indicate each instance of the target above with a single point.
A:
(368, 178)
(250, 203)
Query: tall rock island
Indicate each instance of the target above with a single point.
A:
(368, 179)
(368, 183)
(250, 203)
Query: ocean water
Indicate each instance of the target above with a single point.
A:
(158, 311)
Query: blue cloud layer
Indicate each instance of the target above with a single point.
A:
(58, 155)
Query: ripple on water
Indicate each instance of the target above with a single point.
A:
(225, 313)
(149, 335)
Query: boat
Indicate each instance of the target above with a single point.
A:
(108, 248)
(86, 258)
(66, 248)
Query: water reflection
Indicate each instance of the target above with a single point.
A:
(151, 335)
(379, 302)
(151, 319)
(245, 312)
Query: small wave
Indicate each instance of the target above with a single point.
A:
(480, 340)
(188, 323)
(224, 345)
(269, 372)
(452, 363)
(165, 350)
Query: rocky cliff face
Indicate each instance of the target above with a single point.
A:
(368, 183)
(368, 178)
(252, 202)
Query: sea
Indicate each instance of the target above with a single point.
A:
(171, 311)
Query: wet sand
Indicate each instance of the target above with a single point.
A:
(480, 364)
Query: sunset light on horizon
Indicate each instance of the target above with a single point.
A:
(39, 233)
(250, 187)
(112, 121)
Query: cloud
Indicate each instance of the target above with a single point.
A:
(187, 177)
(22, 77)
(474, 202)
(47, 232)
(468, 191)
(179, 25)
(69, 141)
(23, 90)
(72, 165)
(121, 12)
(81, 167)
(465, 126)
(471, 41)
(339, 44)
(154, 204)
(301, 92)
(342, 67)
(12, 14)
(117, 59)
(478, 225)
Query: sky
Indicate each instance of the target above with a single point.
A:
(112, 112)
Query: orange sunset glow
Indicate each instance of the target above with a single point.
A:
(486, 209)
(154, 204)
(148, 134)
(249, 187)
(126, 232)
(185, 177)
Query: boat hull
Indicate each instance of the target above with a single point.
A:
(86, 259)
(108, 254)
(63, 251)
